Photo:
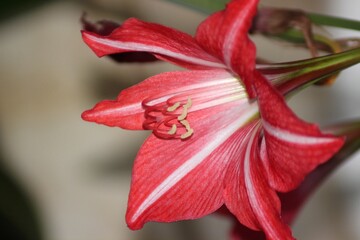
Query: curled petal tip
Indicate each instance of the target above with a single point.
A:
(99, 113)
(95, 42)
(133, 224)
(87, 116)
(92, 115)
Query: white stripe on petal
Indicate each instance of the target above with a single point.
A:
(293, 137)
(230, 41)
(194, 161)
(231, 36)
(154, 49)
(129, 109)
(253, 194)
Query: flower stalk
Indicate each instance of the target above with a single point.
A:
(293, 76)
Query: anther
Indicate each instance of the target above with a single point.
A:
(183, 114)
(173, 129)
(173, 107)
(189, 103)
(185, 110)
(189, 131)
(186, 124)
(187, 134)
(161, 127)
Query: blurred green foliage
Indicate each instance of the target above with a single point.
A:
(206, 6)
(18, 218)
(11, 8)
(18, 214)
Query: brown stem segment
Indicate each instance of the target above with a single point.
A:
(274, 21)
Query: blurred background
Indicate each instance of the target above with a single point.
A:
(65, 179)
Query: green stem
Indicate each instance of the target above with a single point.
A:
(332, 21)
(293, 76)
(296, 36)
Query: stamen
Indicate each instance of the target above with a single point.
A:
(173, 129)
(187, 134)
(185, 110)
(169, 122)
(189, 103)
(173, 107)
(189, 131)
(186, 124)
(183, 114)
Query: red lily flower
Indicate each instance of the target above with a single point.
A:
(209, 146)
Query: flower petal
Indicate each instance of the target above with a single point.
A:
(291, 148)
(127, 110)
(189, 182)
(225, 35)
(166, 43)
(247, 193)
(293, 201)
(104, 28)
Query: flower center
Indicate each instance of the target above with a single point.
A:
(168, 120)
(167, 113)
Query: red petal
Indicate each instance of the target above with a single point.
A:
(236, 196)
(175, 180)
(127, 111)
(225, 35)
(292, 147)
(104, 28)
(294, 200)
(247, 193)
(137, 36)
